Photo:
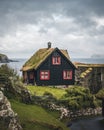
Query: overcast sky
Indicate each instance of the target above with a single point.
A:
(75, 25)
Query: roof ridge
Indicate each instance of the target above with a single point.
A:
(39, 57)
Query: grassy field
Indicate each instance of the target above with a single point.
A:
(33, 117)
(39, 91)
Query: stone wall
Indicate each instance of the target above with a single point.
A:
(91, 77)
(7, 115)
(86, 112)
(65, 113)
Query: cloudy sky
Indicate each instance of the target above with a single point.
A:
(75, 25)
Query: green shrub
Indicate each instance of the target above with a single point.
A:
(100, 94)
(7, 76)
(75, 97)
(9, 82)
(46, 100)
(73, 105)
(63, 102)
(79, 97)
(5, 69)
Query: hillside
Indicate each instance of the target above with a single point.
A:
(4, 58)
(34, 117)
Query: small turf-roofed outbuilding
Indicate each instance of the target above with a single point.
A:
(49, 66)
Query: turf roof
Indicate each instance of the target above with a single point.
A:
(78, 64)
(39, 57)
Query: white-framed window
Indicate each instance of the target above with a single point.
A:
(56, 60)
(44, 75)
(67, 74)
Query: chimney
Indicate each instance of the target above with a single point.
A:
(49, 45)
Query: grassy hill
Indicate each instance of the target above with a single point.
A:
(36, 117)
(74, 97)
(33, 117)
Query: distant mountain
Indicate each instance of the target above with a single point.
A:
(4, 59)
(97, 56)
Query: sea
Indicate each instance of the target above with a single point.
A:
(20, 62)
(17, 65)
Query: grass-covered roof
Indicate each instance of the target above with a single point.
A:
(39, 57)
(78, 64)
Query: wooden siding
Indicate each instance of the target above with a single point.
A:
(29, 77)
(56, 71)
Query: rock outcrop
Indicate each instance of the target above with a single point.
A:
(4, 58)
(7, 115)
(64, 112)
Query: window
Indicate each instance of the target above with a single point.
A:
(44, 75)
(56, 60)
(67, 74)
(31, 75)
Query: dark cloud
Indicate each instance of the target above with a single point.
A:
(75, 21)
(32, 11)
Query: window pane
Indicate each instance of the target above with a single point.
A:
(44, 75)
(67, 74)
(56, 60)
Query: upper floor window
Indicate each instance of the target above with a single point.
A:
(56, 60)
(67, 74)
(44, 75)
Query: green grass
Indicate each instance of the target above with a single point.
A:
(39, 91)
(33, 117)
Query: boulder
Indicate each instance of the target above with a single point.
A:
(7, 115)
